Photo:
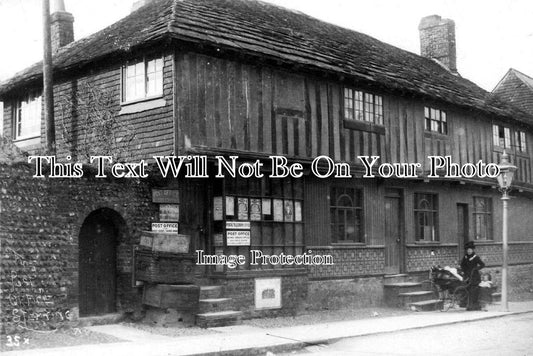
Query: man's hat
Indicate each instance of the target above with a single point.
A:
(470, 244)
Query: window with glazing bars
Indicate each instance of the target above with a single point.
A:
(346, 214)
(362, 106)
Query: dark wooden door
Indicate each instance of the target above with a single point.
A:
(462, 228)
(97, 265)
(393, 232)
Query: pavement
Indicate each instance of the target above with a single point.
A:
(249, 340)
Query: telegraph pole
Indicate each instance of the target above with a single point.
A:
(48, 89)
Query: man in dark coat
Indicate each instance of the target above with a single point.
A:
(470, 265)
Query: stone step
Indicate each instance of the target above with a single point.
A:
(393, 290)
(215, 304)
(222, 318)
(209, 292)
(412, 297)
(426, 305)
(395, 278)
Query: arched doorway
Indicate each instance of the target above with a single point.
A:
(97, 262)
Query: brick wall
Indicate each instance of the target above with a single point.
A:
(345, 293)
(41, 221)
(242, 290)
(349, 262)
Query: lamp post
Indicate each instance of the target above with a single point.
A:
(505, 179)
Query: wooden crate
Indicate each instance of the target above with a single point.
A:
(160, 267)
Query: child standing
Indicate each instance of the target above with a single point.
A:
(485, 290)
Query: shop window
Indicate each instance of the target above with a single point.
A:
(435, 120)
(426, 217)
(346, 215)
(483, 218)
(274, 210)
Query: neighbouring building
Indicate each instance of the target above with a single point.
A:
(517, 88)
(247, 78)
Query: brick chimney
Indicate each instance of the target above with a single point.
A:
(62, 25)
(437, 40)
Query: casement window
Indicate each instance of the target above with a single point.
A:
(273, 208)
(501, 136)
(142, 79)
(435, 120)
(520, 141)
(27, 119)
(346, 215)
(426, 217)
(362, 106)
(482, 218)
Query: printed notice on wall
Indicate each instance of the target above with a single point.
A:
(217, 208)
(255, 209)
(169, 212)
(297, 211)
(278, 210)
(243, 208)
(230, 206)
(238, 238)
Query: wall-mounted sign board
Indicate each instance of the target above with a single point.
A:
(165, 196)
(237, 225)
(165, 242)
(238, 238)
(165, 227)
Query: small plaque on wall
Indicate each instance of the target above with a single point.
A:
(267, 293)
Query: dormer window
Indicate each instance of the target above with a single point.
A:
(501, 136)
(435, 120)
(28, 117)
(142, 79)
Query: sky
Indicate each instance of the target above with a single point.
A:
(492, 35)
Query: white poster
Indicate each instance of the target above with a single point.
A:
(238, 238)
(230, 206)
(217, 208)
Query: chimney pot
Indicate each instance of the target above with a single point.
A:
(437, 40)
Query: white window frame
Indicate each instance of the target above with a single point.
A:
(150, 71)
(27, 109)
(435, 120)
(497, 139)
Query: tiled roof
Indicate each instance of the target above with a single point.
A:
(258, 28)
(516, 88)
